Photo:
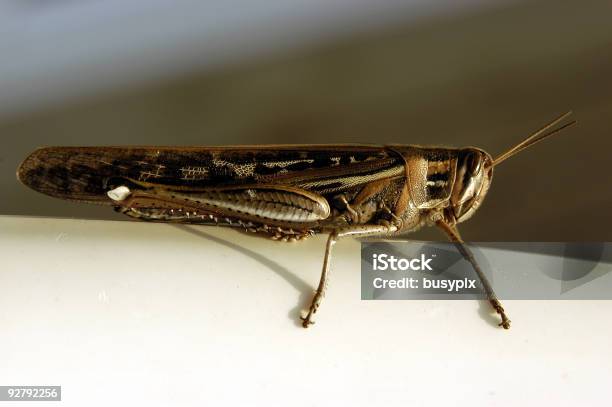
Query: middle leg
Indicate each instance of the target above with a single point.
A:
(355, 231)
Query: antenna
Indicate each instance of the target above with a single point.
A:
(535, 138)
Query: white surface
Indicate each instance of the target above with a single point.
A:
(126, 313)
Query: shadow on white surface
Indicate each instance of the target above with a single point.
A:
(306, 290)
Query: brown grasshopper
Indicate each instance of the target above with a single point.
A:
(284, 192)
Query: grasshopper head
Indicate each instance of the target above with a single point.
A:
(474, 174)
(475, 170)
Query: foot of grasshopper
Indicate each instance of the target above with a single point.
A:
(505, 322)
(316, 301)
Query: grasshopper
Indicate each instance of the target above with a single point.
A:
(284, 192)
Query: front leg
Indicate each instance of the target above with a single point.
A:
(453, 235)
(355, 231)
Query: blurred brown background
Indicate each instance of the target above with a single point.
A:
(487, 78)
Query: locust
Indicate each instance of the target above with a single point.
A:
(285, 192)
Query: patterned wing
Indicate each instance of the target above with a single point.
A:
(88, 173)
